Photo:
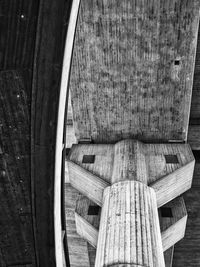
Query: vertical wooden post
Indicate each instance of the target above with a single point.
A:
(129, 233)
(129, 162)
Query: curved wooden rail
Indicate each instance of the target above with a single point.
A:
(60, 131)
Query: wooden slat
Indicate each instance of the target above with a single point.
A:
(78, 251)
(86, 182)
(194, 136)
(186, 252)
(172, 229)
(18, 28)
(45, 98)
(174, 184)
(16, 231)
(169, 257)
(132, 76)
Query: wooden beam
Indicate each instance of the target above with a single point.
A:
(169, 257)
(129, 207)
(172, 228)
(194, 136)
(60, 130)
(87, 183)
(45, 188)
(174, 184)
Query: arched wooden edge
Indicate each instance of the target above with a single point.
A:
(60, 129)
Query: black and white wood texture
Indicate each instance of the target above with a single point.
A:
(129, 233)
(172, 226)
(132, 69)
(169, 180)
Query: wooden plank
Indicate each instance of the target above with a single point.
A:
(143, 53)
(18, 28)
(45, 100)
(16, 231)
(169, 257)
(87, 183)
(78, 251)
(103, 161)
(173, 228)
(186, 252)
(194, 136)
(174, 184)
(60, 131)
(195, 105)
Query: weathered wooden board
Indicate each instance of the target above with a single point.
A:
(132, 69)
(187, 251)
(52, 24)
(194, 136)
(169, 180)
(78, 251)
(169, 257)
(16, 229)
(195, 105)
(173, 227)
(18, 27)
(77, 246)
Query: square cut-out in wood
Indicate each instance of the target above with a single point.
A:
(171, 159)
(176, 62)
(93, 210)
(88, 159)
(166, 212)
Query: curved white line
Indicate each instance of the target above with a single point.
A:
(59, 134)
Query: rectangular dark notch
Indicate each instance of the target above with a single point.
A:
(166, 212)
(88, 159)
(196, 154)
(93, 210)
(176, 62)
(171, 159)
(67, 150)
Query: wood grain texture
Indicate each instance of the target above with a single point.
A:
(129, 162)
(173, 228)
(77, 246)
(195, 105)
(132, 76)
(194, 136)
(18, 19)
(169, 257)
(86, 224)
(174, 184)
(168, 180)
(129, 233)
(16, 229)
(18, 28)
(52, 24)
(76, 252)
(186, 252)
(87, 183)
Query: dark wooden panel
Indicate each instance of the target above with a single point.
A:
(194, 136)
(52, 23)
(16, 230)
(195, 105)
(17, 26)
(132, 69)
(187, 251)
